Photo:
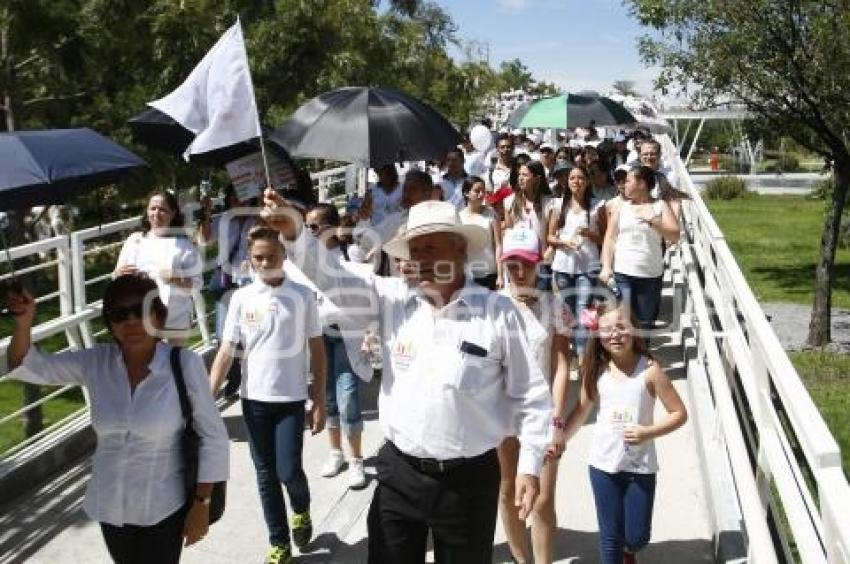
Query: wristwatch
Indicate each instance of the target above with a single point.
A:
(202, 500)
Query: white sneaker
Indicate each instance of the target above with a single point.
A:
(333, 465)
(356, 474)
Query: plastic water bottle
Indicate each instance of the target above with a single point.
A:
(612, 286)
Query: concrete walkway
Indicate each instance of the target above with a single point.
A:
(48, 525)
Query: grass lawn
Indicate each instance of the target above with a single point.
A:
(827, 376)
(776, 241)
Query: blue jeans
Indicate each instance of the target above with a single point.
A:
(643, 295)
(577, 291)
(276, 437)
(343, 389)
(623, 511)
(544, 277)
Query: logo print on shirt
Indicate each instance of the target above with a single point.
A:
(403, 354)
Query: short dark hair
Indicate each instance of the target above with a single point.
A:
(458, 152)
(419, 177)
(390, 169)
(469, 183)
(171, 200)
(264, 233)
(329, 213)
(129, 286)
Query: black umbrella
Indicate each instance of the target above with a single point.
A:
(158, 130)
(48, 167)
(366, 126)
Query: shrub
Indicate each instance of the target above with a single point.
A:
(782, 161)
(726, 188)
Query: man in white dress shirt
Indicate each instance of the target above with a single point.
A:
(458, 377)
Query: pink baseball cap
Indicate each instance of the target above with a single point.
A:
(521, 243)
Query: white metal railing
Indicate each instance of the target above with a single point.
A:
(752, 378)
(78, 309)
(57, 259)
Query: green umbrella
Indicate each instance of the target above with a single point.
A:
(569, 111)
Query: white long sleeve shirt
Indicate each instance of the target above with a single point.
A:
(137, 470)
(438, 399)
(176, 256)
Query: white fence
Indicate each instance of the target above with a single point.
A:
(79, 308)
(785, 462)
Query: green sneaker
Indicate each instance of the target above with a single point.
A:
(279, 554)
(302, 529)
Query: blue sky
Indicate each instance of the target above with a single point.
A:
(578, 44)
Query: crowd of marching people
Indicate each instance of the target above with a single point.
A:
(486, 282)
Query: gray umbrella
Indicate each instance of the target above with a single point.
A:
(368, 127)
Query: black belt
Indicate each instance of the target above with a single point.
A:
(435, 466)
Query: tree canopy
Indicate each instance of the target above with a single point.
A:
(787, 61)
(97, 62)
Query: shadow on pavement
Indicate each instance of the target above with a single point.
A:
(26, 526)
(582, 546)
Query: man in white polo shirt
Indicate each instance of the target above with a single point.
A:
(458, 377)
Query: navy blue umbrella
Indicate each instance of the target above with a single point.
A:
(48, 167)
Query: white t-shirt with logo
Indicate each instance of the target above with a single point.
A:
(273, 324)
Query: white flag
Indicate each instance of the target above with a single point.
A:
(216, 102)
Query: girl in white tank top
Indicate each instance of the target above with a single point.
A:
(620, 375)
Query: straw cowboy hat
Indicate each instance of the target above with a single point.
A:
(435, 217)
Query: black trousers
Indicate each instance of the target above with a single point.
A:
(160, 543)
(458, 506)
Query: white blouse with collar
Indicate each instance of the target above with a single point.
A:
(137, 470)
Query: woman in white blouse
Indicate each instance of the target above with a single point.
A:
(137, 490)
(163, 252)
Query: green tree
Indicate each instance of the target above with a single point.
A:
(625, 87)
(514, 75)
(787, 63)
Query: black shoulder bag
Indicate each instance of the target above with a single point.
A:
(191, 443)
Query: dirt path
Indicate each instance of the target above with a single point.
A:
(791, 324)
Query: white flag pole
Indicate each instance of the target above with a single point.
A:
(257, 116)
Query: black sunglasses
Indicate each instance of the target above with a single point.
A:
(117, 314)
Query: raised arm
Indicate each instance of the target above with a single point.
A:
(27, 364)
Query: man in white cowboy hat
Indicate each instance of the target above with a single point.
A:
(458, 377)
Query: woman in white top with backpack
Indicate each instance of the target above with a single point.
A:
(633, 251)
(625, 380)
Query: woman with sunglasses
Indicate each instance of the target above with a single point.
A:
(137, 490)
(163, 252)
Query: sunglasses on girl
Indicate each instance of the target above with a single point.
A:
(117, 314)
